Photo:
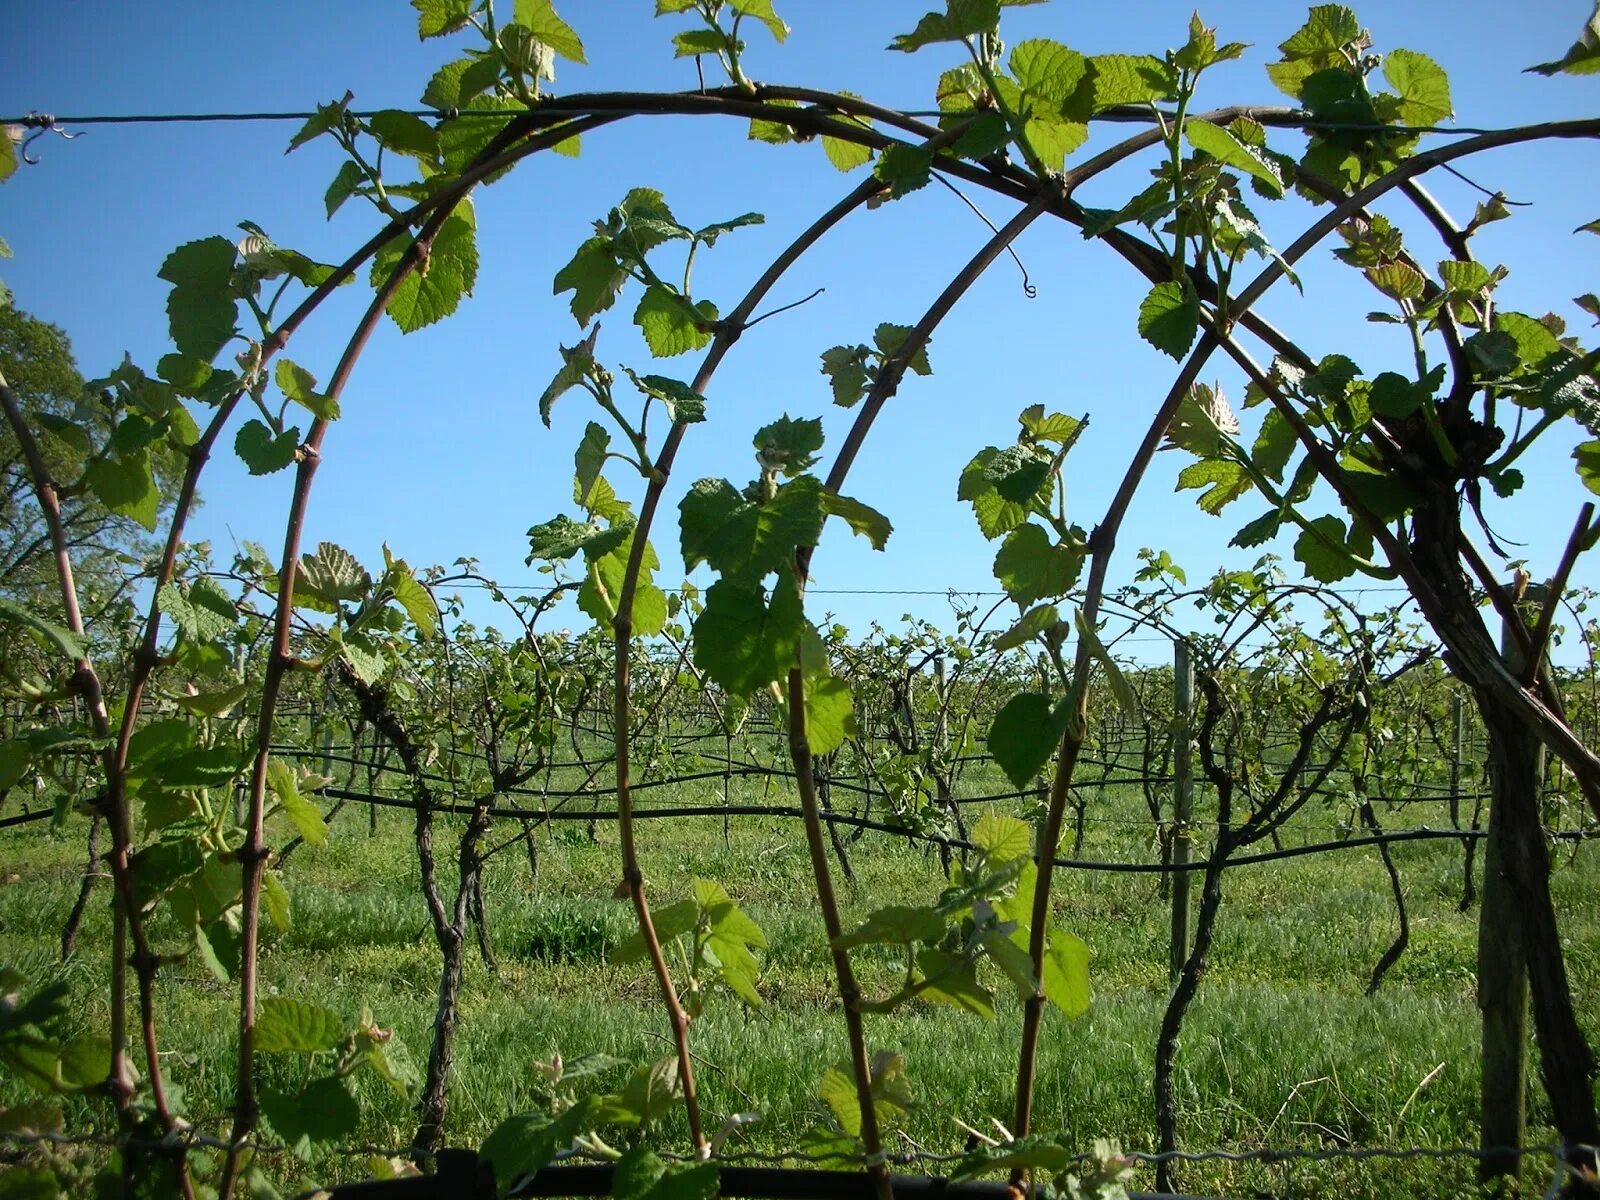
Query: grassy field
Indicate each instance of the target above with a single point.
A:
(1281, 1048)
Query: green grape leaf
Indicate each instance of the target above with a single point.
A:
(1587, 458)
(415, 599)
(1273, 445)
(275, 901)
(589, 458)
(692, 43)
(1054, 427)
(1002, 839)
(1036, 622)
(285, 1025)
(742, 540)
(774, 133)
(202, 309)
(1224, 480)
(788, 444)
(1048, 70)
(1397, 280)
(162, 865)
(741, 641)
(187, 375)
(957, 983)
(462, 139)
(47, 634)
(528, 1142)
(669, 325)
(456, 83)
(602, 589)
(1131, 79)
(576, 364)
(1169, 317)
(539, 18)
(349, 178)
(299, 385)
(961, 19)
(1053, 140)
(435, 18)
(302, 813)
(890, 339)
(1065, 978)
(405, 133)
(1324, 562)
(1009, 952)
(995, 514)
(320, 1114)
(843, 154)
(863, 520)
(333, 574)
(262, 451)
(1422, 85)
(895, 924)
(126, 487)
(1030, 567)
(1037, 1152)
(1018, 473)
(830, 713)
(1121, 690)
(761, 10)
(14, 755)
(435, 288)
(651, 1091)
(1582, 57)
(838, 1091)
(204, 612)
(669, 922)
(1025, 734)
(559, 539)
(986, 133)
(684, 405)
(846, 369)
(1535, 343)
(1223, 146)
(904, 168)
(204, 265)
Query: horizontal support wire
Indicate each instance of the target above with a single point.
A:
(778, 1178)
(574, 107)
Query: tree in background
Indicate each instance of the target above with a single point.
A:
(109, 545)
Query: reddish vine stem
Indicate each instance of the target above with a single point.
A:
(1537, 710)
(883, 388)
(253, 853)
(849, 989)
(728, 332)
(1558, 585)
(1102, 543)
(128, 922)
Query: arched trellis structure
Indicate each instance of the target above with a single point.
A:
(1435, 458)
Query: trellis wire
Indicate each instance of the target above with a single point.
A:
(462, 1172)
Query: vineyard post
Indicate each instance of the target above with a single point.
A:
(1182, 799)
(1503, 986)
(327, 732)
(1458, 722)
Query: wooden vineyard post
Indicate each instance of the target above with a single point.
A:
(1458, 726)
(1502, 964)
(1182, 799)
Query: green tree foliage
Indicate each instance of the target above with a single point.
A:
(107, 546)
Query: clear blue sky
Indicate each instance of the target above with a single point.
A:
(441, 452)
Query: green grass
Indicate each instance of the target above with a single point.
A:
(1281, 1047)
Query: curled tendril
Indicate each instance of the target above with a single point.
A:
(39, 124)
